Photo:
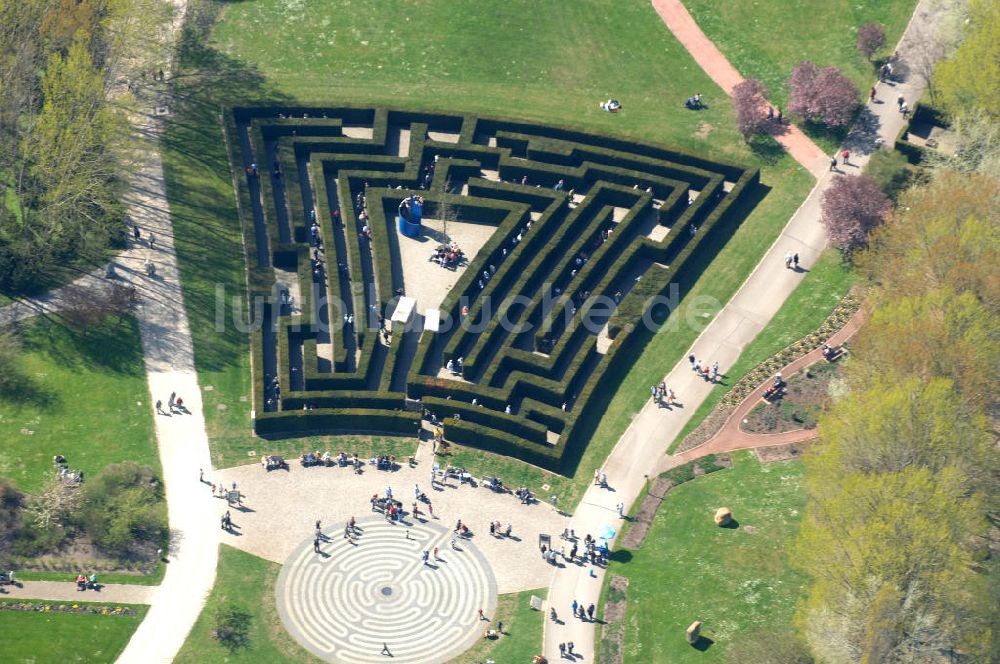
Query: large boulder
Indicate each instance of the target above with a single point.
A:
(723, 516)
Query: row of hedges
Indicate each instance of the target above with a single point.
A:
(573, 373)
(338, 419)
(511, 424)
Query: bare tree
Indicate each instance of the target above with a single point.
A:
(87, 305)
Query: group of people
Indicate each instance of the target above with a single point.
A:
(84, 582)
(454, 367)
(448, 255)
(776, 389)
(693, 102)
(709, 373)
(791, 260)
(175, 404)
(662, 395)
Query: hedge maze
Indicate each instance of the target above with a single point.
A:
(545, 319)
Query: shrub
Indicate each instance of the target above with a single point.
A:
(822, 95)
(892, 171)
(122, 509)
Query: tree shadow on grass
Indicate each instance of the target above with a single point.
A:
(199, 186)
(766, 148)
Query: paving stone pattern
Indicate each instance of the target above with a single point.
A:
(346, 602)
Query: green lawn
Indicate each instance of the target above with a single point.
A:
(263, 50)
(765, 40)
(804, 311)
(247, 582)
(735, 580)
(40, 638)
(522, 631)
(88, 401)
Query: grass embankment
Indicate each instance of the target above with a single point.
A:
(735, 580)
(65, 637)
(87, 399)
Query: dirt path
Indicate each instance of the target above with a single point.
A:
(715, 64)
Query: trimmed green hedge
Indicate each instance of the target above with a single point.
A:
(338, 420)
(563, 389)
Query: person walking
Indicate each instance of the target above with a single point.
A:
(871, 95)
(385, 650)
(562, 649)
(846, 154)
(795, 261)
(575, 606)
(152, 240)
(590, 612)
(569, 648)
(833, 163)
(135, 232)
(621, 510)
(159, 407)
(435, 553)
(316, 545)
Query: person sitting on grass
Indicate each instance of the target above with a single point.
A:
(611, 106)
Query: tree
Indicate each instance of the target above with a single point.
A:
(750, 100)
(908, 530)
(853, 206)
(822, 95)
(970, 78)
(942, 235)
(939, 333)
(871, 38)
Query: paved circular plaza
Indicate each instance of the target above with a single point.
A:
(343, 604)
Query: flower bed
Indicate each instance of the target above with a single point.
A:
(52, 607)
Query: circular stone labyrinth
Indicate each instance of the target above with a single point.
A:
(346, 602)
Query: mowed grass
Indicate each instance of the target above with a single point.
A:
(522, 631)
(38, 638)
(246, 582)
(88, 400)
(765, 40)
(266, 50)
(542, 61)
(736, 580)
(804, 311)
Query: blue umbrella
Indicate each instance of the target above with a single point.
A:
(607, 532)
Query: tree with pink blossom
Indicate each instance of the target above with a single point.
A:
(822, 95)
(871, 38)
(750, 103)
(852, 206)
